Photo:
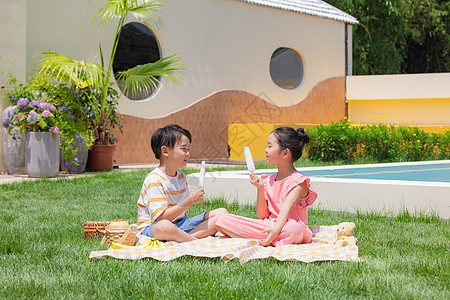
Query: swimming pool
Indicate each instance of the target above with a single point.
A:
(429, 171)
(392, 187)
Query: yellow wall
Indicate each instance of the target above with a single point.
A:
(253, 135)
(403, 111)
(421, 99)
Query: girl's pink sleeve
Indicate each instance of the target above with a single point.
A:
(312, 195)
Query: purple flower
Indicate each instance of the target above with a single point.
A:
(45, 105)
(85, 108)
(11, 113)
(68, 163)
(12, 97)
(33, 117)
(52, 108)
(15, 132)
(55, 129)
(22, 103)
(5, 123)
(19, 115)
(70, 116)
(76, 159)
(35, 103)
(63, 108)
(46, 113)
(93, 113)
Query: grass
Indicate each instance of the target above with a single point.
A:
(43, 253)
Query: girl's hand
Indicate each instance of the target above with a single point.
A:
(272, 234)
(197, 196)
(256, 181)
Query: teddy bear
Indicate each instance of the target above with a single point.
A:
(344, 235)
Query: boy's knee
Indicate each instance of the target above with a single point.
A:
(161, 228)
(217, 212)
(221, 211)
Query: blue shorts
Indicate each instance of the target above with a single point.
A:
(185, 224)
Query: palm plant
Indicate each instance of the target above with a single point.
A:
(97, 78)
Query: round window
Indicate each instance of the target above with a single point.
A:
(137, 46)
(286, 68)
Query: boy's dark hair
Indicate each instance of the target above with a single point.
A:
(168, 136)
(294, 140)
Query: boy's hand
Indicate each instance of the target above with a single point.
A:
(194, 197)
(197, 196)
(256, 181)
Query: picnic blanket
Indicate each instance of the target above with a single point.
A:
(243, 249)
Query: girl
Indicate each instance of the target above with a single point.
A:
(283, 198)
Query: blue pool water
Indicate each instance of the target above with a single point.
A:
(439, 172)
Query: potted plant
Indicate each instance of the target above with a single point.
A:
(13, 140)
(34, 118)
(73, 115)
(96, 80)
(70, 115)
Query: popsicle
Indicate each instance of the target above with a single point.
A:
(201, 179)
(249, 159)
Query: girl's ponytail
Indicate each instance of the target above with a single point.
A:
(304, 137)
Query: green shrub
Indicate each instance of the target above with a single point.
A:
(340, 141)
(333, 142)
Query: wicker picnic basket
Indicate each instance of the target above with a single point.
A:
(120, 232)
(94, 228)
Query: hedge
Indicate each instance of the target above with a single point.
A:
(342, 141)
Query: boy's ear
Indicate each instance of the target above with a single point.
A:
(164, 151)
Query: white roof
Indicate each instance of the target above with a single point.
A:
(317, 8)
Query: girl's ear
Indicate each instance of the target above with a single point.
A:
(164, 151)
(285, 152)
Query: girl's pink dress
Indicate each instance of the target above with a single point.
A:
(295, 231)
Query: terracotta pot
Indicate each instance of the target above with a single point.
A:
(101, 158)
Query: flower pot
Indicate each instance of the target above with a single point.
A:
(82, 156)
(42, 154)
(13, 149)
(101, 158)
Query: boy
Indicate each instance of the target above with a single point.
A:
(165, 197)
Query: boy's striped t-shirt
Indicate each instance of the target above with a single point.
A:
(158, 192)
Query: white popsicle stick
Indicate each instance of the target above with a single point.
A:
(201, 179)
(249, 159)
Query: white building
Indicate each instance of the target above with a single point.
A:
(247, 61)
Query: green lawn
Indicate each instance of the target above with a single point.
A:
(43, 253)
